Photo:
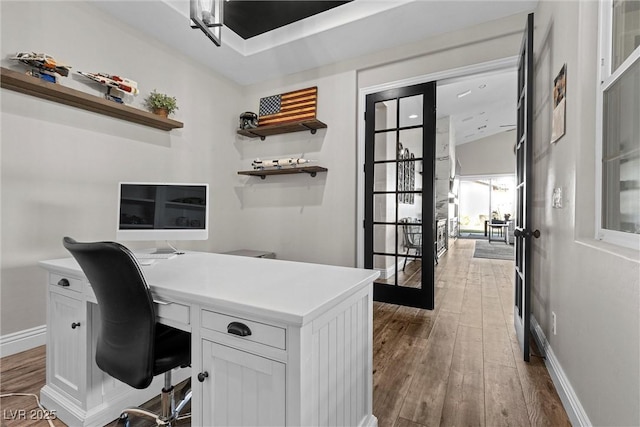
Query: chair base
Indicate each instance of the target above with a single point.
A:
(170, 411)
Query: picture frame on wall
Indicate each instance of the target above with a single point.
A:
(559, 105)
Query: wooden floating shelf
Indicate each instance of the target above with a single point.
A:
(263, 131)
(262, 173)
(34, 86)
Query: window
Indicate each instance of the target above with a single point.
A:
(619, 113)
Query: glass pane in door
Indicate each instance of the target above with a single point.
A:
(384, 238)
(411, 111)
(384, 177)
(386, 265)
(385, 146)
(410, 252)
(386, 113)
(384, 207)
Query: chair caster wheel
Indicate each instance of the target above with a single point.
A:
(123, 420)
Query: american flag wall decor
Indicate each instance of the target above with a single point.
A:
(288, 107)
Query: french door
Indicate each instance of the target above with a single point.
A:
(399, 227)
(524, 192)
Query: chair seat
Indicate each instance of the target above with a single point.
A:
(172, 349)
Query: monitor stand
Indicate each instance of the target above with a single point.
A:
(166, 248)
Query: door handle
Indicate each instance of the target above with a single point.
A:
(202, 376)
(527, 233)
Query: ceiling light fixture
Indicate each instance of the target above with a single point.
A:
(460, 95)
(207, 16)
(413, 116)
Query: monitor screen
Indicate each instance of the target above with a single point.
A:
(161, 211)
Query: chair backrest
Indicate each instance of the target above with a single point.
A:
(125, 348)
(412, 233)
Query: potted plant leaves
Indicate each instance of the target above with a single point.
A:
(161, 104)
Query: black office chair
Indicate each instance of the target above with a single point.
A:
(132, 346)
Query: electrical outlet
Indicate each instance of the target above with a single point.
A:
(553, 320)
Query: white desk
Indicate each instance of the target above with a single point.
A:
(307, 362)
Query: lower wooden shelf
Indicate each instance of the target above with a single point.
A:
(262, 173)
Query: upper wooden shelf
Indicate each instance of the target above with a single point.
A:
(263, 131)
(29, 85)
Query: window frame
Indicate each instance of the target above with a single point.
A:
(606, 79)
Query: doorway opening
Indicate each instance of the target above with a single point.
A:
(482, 200)
(455, 108)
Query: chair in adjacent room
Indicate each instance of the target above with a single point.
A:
(132, 346)
(412, 234)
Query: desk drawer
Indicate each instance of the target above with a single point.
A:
(173, 311)
(65, 282)
(261, 333)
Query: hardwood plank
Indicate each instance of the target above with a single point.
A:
(471, 314)
(464, 402)
(391, 384)
(424, 403)
(543, 403)
(403, 422)
(504, 401)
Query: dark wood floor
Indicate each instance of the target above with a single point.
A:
(458, 365)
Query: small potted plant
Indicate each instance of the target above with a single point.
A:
(161, 104)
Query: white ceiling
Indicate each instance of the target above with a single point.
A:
(354, 29)
(479, 106)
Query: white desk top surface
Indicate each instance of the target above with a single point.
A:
(291, 292)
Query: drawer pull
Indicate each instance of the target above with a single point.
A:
(240, 329)
(202, 376)
(75, 325)
(63, 282)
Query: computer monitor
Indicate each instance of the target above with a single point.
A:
(163, 211)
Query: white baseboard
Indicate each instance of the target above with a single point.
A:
(570, 401)
(23, 340)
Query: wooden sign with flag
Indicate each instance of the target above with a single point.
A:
(288, 107)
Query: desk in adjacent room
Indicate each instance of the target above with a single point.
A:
(311, 342)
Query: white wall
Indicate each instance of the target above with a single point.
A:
(61, 165)
(492, 155)
(298, 217)
(593, 288)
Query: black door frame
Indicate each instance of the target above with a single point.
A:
(423, 297)
(524, 193)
